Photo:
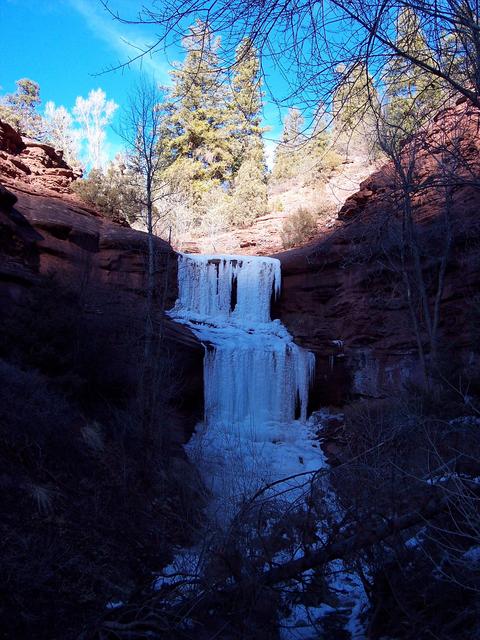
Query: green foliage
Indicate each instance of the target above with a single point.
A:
(319, 155)
(215, 211)
(249, 196)
(330, 159)
(319, 139)
(246, 106)
(458, 58)
(306, 154)
(354, 98)
(198, 117)
(413, 94)
(19, 109)
(355, 109)
(115, 191)
(298, 228)
(249, 193)
(212, 138)
(286, 154)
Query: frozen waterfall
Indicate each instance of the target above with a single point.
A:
(254, 374)
(256, 452)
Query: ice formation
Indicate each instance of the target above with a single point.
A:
(255, 431)
(254, 374)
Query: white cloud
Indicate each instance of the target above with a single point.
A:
(127, 41)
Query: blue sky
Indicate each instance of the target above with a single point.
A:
(64, 44)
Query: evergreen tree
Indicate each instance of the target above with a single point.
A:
(304, 153)
(249, 193)
(413, 94)
(287, 151)
(293, 128)
(355, 107)
(19, 108)
(246, 104)
(249, 196)
(354, 99)
(317, 153)
(198, 140)
(115, 190)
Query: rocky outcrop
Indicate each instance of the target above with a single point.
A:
(32, 165)
(343, 295)
(265, 235)
(45, 234)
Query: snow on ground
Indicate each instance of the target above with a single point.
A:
(305, 622)
(236, 463)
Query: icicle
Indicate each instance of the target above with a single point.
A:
(254, 374)
(206, 285)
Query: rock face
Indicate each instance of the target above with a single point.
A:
(343, 295)
(32, 165)
(263, 237)
(46, 233)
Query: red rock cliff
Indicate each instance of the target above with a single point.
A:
(342, 295)
(45, 231)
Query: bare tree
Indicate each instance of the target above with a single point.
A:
(385, 495)
(142, 129)
(433, 164)
(306, 42)
(94, 114)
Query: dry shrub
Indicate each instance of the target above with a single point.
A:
(298, 228)
(400, 453)
(332, 159)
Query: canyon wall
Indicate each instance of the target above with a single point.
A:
(48, 235)
(343, 295)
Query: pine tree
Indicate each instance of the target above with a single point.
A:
(246, 102)
(287, 151)
(198, 140)
(249, 193)
(114, 190)
(355, 109)
(293, 133)
(354, 99)
(19, 108)
(413, 94)
(317, 155)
